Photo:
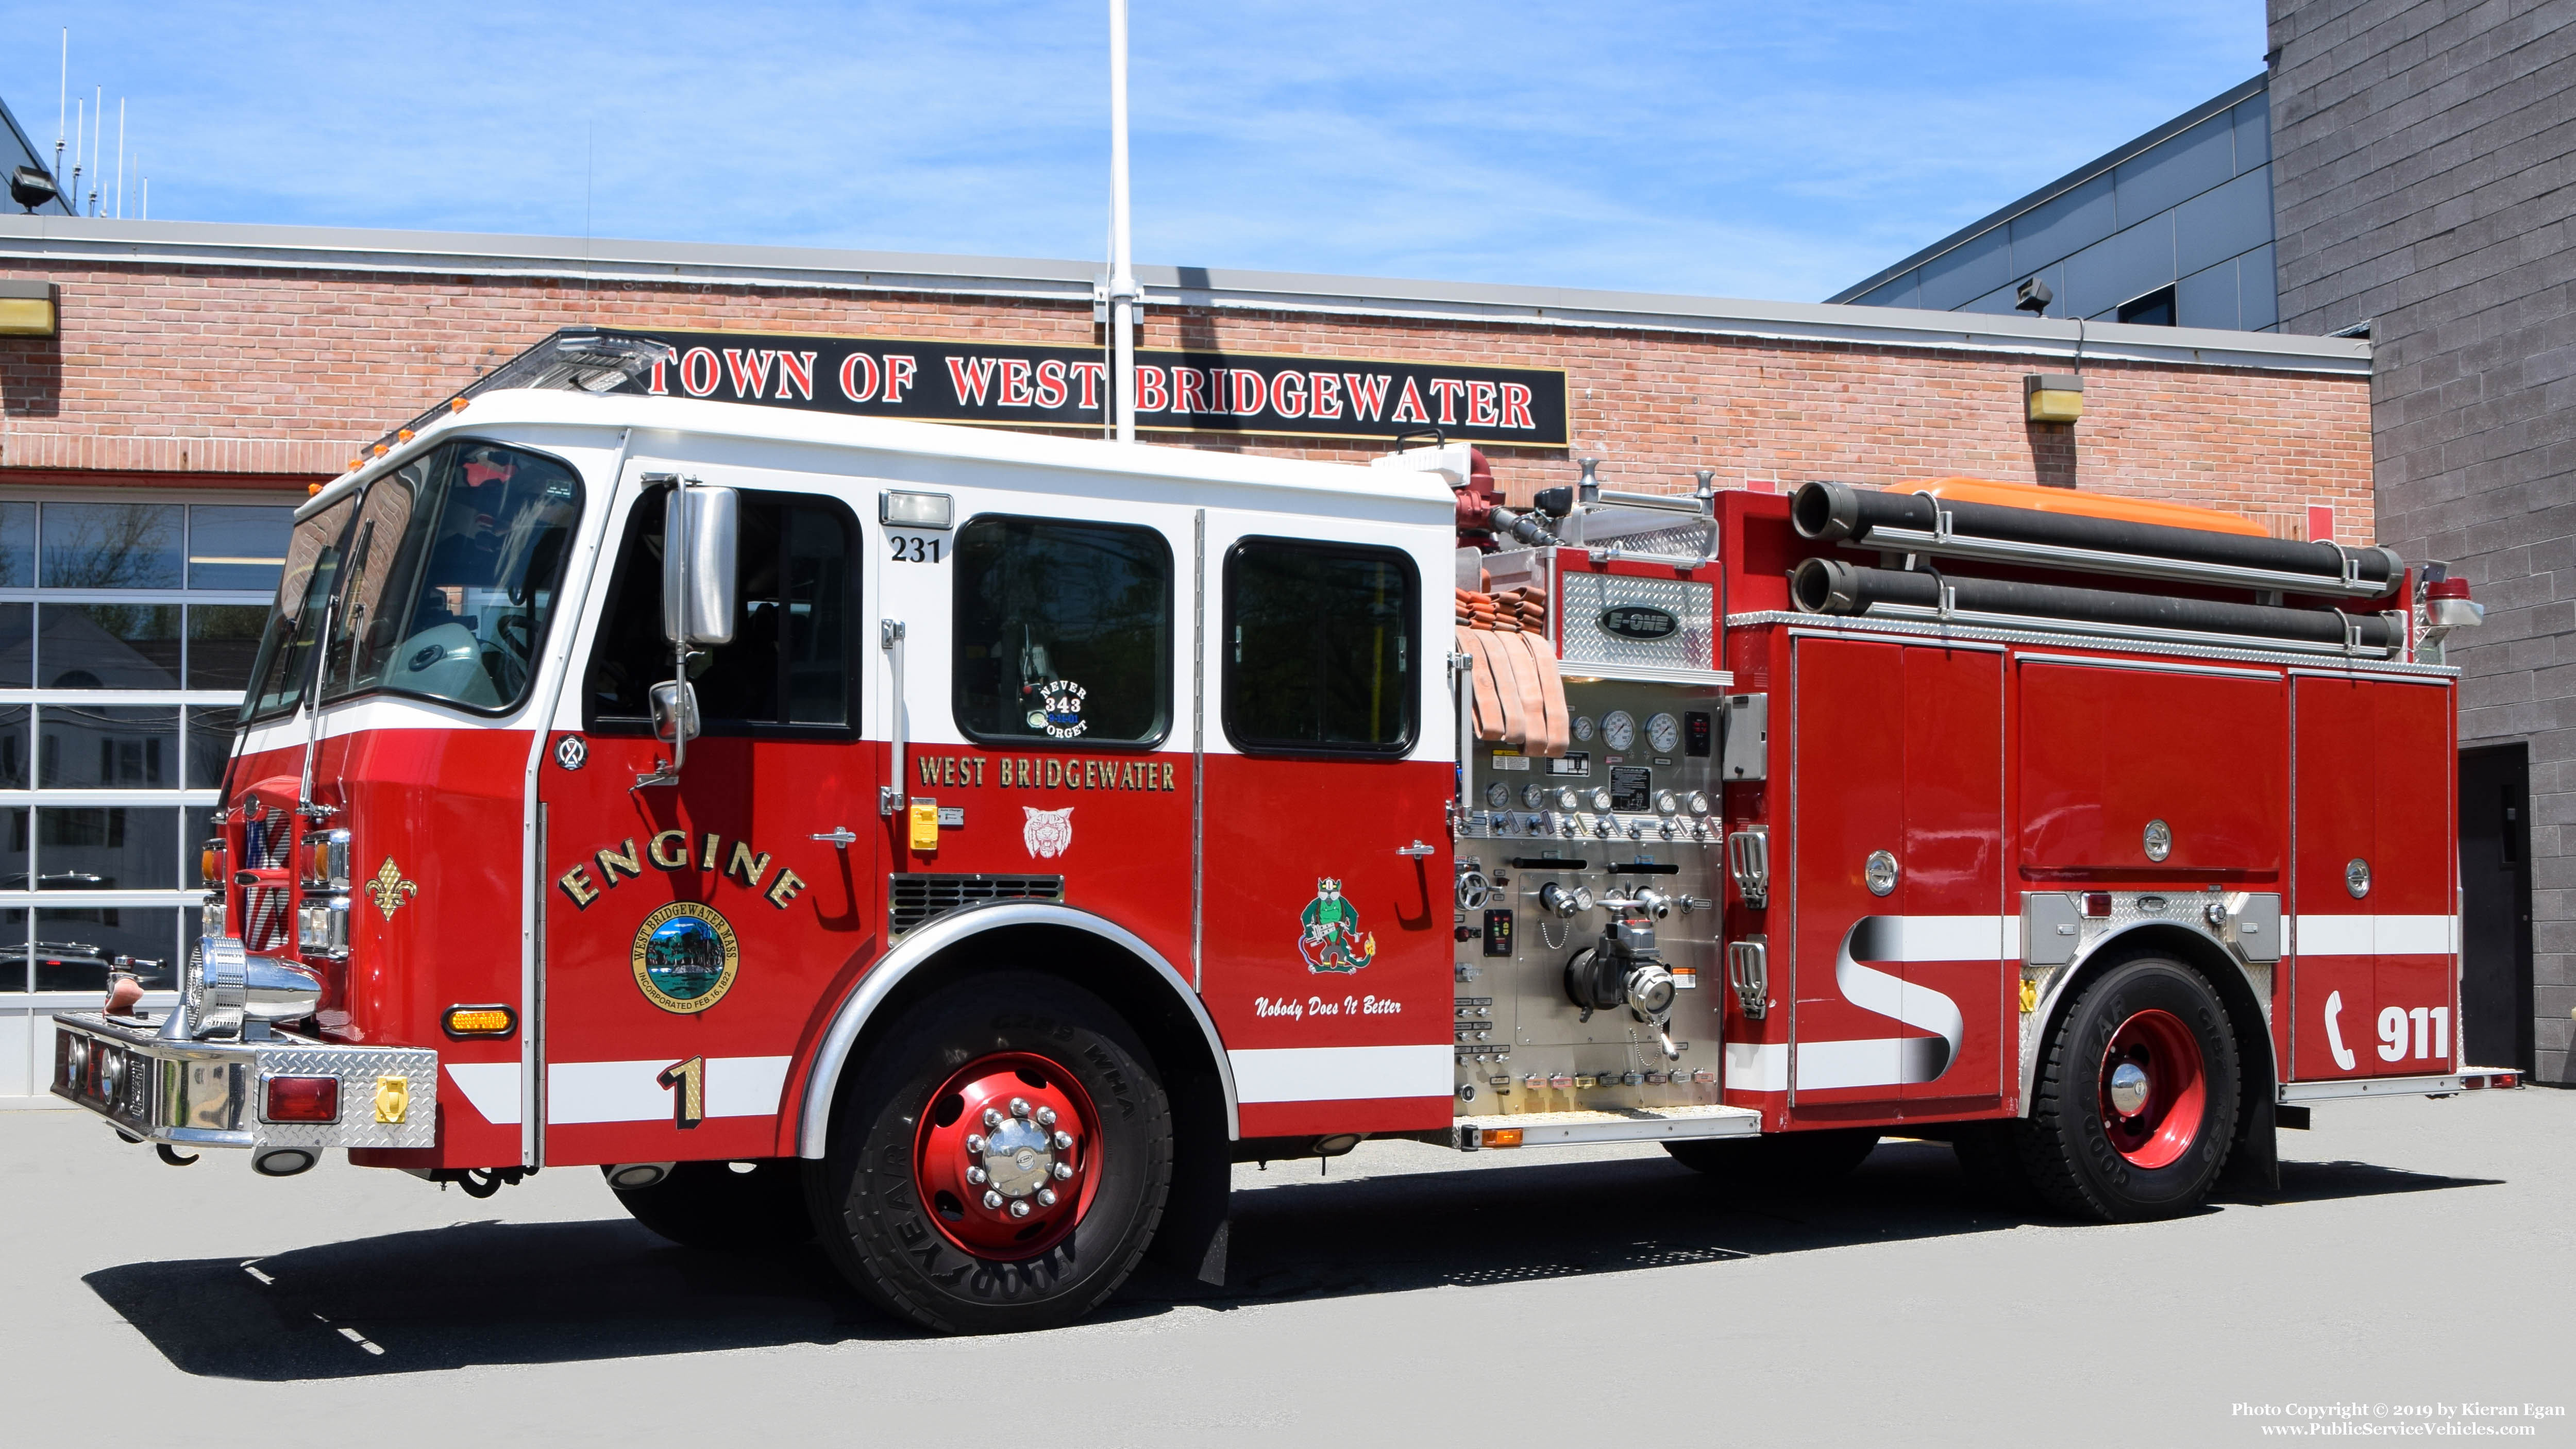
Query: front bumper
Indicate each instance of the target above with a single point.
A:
(211, 1094)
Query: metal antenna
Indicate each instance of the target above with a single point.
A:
(1122, 274)
(62, 105)
(120, 156)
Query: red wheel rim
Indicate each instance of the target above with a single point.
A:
(1007, 1158)
(2154, 1089)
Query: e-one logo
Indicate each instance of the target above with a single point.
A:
(1639, 621)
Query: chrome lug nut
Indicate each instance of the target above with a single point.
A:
(976, 1175)
(1063, 1171)
(992, 1199)
(992, 1119)
(1019, 1209)
(1064, 1142)
(1046, 1116)
(1019, 1106)
(975, 1143)
(1046, 1197)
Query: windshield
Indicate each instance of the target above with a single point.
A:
(286, 646)
(445, 578)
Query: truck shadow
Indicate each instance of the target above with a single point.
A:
(522, 1293)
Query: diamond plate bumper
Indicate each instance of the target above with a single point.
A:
(209, 1094)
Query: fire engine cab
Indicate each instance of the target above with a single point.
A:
(962, 846)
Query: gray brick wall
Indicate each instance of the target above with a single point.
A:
(2424, 181)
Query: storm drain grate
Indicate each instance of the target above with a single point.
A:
(915, 899)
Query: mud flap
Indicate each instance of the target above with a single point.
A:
(2253, 1166)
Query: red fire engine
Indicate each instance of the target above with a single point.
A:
(963, 846)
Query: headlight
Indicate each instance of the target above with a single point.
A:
(326, 860)
(322, 926)
(226, 988)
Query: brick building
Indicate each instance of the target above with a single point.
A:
(203, 376)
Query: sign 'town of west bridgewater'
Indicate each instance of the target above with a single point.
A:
(1031, 386)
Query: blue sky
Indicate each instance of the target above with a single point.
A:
(1775, 150)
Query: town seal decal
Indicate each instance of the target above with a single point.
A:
(685, 957)
(1333, 940)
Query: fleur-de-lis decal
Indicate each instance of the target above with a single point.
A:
(389, 888)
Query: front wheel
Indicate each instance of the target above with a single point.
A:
(2133, 1108)
(999, 1162)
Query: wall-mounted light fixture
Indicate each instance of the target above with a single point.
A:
(2052, 397)
(27, 308)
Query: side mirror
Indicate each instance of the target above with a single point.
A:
(698, 583)
(675, 711)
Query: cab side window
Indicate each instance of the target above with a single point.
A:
(789, 663)
(1063, 632)
(1320, 644)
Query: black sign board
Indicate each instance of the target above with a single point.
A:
(1016, 384)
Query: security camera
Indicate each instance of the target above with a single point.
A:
(2033, 296)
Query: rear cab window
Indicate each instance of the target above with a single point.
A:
(1321, 646)
(1063, 633)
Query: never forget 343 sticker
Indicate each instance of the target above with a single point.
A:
(686, 957)
(1059, 710)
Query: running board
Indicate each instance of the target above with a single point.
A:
(2467, 1079)
(1639, 1124)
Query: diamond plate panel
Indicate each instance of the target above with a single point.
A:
(204, 1088)
(1581, 640)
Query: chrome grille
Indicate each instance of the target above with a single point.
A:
(914, 899)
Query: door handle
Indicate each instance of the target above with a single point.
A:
(839, 839)
(1416, 849)
(890, 639)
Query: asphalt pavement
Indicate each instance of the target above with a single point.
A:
(2419, 1257)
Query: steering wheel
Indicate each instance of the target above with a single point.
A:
(518, 632)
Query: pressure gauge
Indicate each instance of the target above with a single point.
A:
(1533, 796)
(1498, 795)
(1566, 800)
(1664, 733)
(1698, 803)
(1618, 729)
(1601, 801)
(1583, 728)
(1667, 804)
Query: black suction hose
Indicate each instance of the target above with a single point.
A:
(1839, 512)
(1830, 586)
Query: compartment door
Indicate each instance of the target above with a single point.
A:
(1898, 805)
(2375, 942)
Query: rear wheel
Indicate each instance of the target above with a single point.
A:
(2133, 1108)
(727, 1206)
(1778, 1160)
(1000, 1161)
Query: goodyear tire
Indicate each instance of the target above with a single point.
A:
(710, 1205)
(999, 1162)
(1778, 1161)
(2135, 1101)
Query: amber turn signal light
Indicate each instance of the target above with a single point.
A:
(470, 1021)
(1500, 1137)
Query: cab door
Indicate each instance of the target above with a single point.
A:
(692, 931)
